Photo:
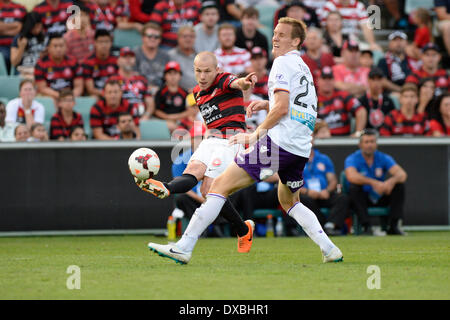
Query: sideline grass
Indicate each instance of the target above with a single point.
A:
(121, 267)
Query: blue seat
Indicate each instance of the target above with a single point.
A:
(83, 106)
(154, 130)
(9, 86)
(49, 107)
(127, 38)
(3, 69)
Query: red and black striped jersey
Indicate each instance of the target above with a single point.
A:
(337, 110)
(101, 18)
(59, 128)
(10, 12)
(222, 107)
(57, 75)
(171, 19)
(261, 88)
(134, 89)
(441, 79)
(99, 70)
(396, 123)
(54, 18)
(171, 102)
(107, 118)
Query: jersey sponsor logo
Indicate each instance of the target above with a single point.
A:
(207, 110)
(294, 184)
(378, 172)
(304, 118)
(321, 166)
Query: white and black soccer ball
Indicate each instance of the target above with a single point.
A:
(144, 163)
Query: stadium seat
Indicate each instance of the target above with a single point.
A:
(83, 105)
(127, 38)
(49, 106)
(154, 130)
(396, 101)
(4, 100)
(377, 56)
(3, 69)
(373, 211)
(9, 86)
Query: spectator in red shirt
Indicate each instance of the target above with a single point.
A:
(101, 65)
(349, 74)
(140, 10)
(406, 121)
(173, 14)
(80, 41)
(314, 57)
(11, 18)
(134, 86)
(440, 125)
(170, 101)
(104, 113)
(336, 107)
(65, 119)
(259, 63)
(56, 70)
(431, 57)
(53, 14)
(422, 19)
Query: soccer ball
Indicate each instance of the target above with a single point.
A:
(144, 163)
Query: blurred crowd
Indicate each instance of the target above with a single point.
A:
(385, 69)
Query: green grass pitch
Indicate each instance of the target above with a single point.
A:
(121, 267)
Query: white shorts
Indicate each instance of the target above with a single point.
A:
(216, 154)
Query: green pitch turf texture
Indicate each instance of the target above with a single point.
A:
(121, 267)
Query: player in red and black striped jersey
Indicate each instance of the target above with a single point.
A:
(220, 99)
(65, 119)
(56, 70)
(101, 65)
(134, 86)
(431, 57)
(336, 107)
(104, 114)
(173, 14)
(406, 121)
(53, 15)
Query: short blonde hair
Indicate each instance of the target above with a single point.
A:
(298, 29)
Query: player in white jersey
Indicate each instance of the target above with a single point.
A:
(282, 144)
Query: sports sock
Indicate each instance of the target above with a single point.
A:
(201, 219)
(181, 184)
(308, 221)
(230, 213)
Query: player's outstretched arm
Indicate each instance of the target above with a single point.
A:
(245, 83)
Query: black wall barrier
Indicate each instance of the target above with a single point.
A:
(87, 186)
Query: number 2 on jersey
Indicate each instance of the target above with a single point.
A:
(303, 94)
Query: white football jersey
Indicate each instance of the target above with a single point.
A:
(294, 131)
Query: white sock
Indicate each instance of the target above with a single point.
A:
(308, 221)
(201, 219)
